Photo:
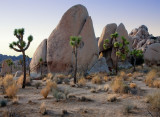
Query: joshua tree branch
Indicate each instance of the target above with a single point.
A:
(16, 49)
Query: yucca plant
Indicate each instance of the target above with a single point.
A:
(21, 46)
(121, 48)
(135, 54)
(75, 42)
(10, 63)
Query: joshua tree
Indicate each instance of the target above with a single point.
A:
(135, 54)
(10, 63)
(121, 48)
(20, 46)
(75, 42)
(41, 64)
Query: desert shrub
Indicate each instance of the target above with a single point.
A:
(106, 78)
(37, 85)
(154, 101)
(45, 91)
(156, 83)
(50, 75)
(50, 84)
(58, 95)
(82, 82)
(111, 98)
(15, 100)
(128, 109)
(12, 90)
(96, 80)
(8, 80)
(129, 74)
(150, 77)
(118, 86)
(106, 87)
(132, 85)
(3, 103)
(123, 75)
(20, 80)
(43, 109)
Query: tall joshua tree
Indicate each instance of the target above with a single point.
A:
(41, 64)
(10, 63)
(21, 46)
(75, 42)
(121, 48)
(135, 54)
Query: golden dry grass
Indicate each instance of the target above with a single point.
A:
(123, 75)
(8, 80)
(150, 78)
(118, 86)
(20, 80)
(12, 90)
(132, 85)
(156, 83)
(129, 74)
(45, 91)
(96, 80)
(50, 84)
(82, 82)
(106, 78)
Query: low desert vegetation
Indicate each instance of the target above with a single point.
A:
(133, 85)
(38, 84)
(123, 75)
(112, 98)
(118, 86)
(21, 78)
(97, 80)
(156, 83)
(43, 109)
(3, 103)
(82, 82)
(150, 78)
(45, 91)
(12, 90)
(154, 101)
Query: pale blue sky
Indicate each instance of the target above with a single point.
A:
(40, 17)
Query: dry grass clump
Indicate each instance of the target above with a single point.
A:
(43, 109)
(50, 76)
(123, 75)
(137, 74)
(97, 80)
(111, 98)
(7, 80)
(45, 91)
(150, 78)
(118, 86)
(12, 90)
(20, 80)
(132, 85)
(129, 74)
(156, 83)
(82, 82)
(51, 84)
(106, 78)
(154, 101)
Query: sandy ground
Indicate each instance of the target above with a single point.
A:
(30, 100)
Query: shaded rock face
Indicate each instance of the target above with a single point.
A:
(100, 66)
(41, 52)
(59, 57)
(107, 31)
(152, 54)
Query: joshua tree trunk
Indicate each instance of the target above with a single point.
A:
(24, 69)
(134, 65)
(75, 71)
(116, 63)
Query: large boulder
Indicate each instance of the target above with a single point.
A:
(75, 22)
(100, 66)
(152, 54)
(41, 52)
(121, 30)
(107, 31)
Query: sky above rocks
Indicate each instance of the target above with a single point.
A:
(40, 17)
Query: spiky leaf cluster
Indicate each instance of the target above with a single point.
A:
(136, 53)
(9, 62)
(75, 41)
(20, 44)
